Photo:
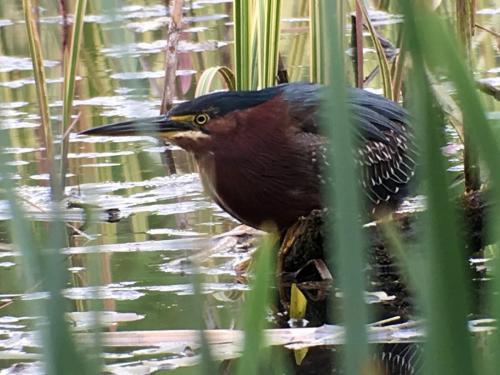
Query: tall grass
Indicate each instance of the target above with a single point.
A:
(253, 357)
(448, 349)
(46, 268)
(40, 83)
(268, 15)
(256, 35)
(346, 241)
(317, 66)
(445, 293)
(432, 45)
(434, 51)
(382, 59)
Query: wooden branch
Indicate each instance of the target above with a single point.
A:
(174, 30)
(293, 338)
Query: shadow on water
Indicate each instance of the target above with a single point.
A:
(152, 230)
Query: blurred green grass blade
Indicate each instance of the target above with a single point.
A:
(346, 244)
(94, 351)
(448, 104)
(382, 59)
(448, 349)
(255, 310)
(20, 228)
(409, 260)
(70, 66)
(47, 267)
(61, 354)
(441, 52)
(59, 349)
(493, 303)
(208, 77)
(207, 366)
(35, 48)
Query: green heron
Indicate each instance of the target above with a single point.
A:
(261, 154)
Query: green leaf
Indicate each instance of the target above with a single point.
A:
(255, 310)
(346, 243)
(382, 59)
(208, 76)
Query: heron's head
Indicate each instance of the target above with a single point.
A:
(213, 121)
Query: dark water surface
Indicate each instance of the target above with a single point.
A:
(164, 221)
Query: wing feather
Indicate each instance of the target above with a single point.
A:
(385, 149)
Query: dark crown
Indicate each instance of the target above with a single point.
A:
(221, 103)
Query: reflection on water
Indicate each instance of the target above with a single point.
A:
(150, 230)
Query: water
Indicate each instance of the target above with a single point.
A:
(155, 226)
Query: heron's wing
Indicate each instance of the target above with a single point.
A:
(385, 149)
(371, 114)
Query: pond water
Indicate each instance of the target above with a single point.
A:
(153, 219)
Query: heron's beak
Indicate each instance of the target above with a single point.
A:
(153, 126)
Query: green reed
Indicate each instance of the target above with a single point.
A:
(446, 300)
(433, 50)
(44, 269)
(45, 264)
(445, 290)
(40, 83)
(254, 357)
(432, 45)
(256, 36)
(70, 67)
(207, 79)
(346, 241)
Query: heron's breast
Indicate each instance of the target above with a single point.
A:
(254, 195)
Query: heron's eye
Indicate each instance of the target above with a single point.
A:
(201, 119)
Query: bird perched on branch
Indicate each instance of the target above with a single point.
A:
(261, 154)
